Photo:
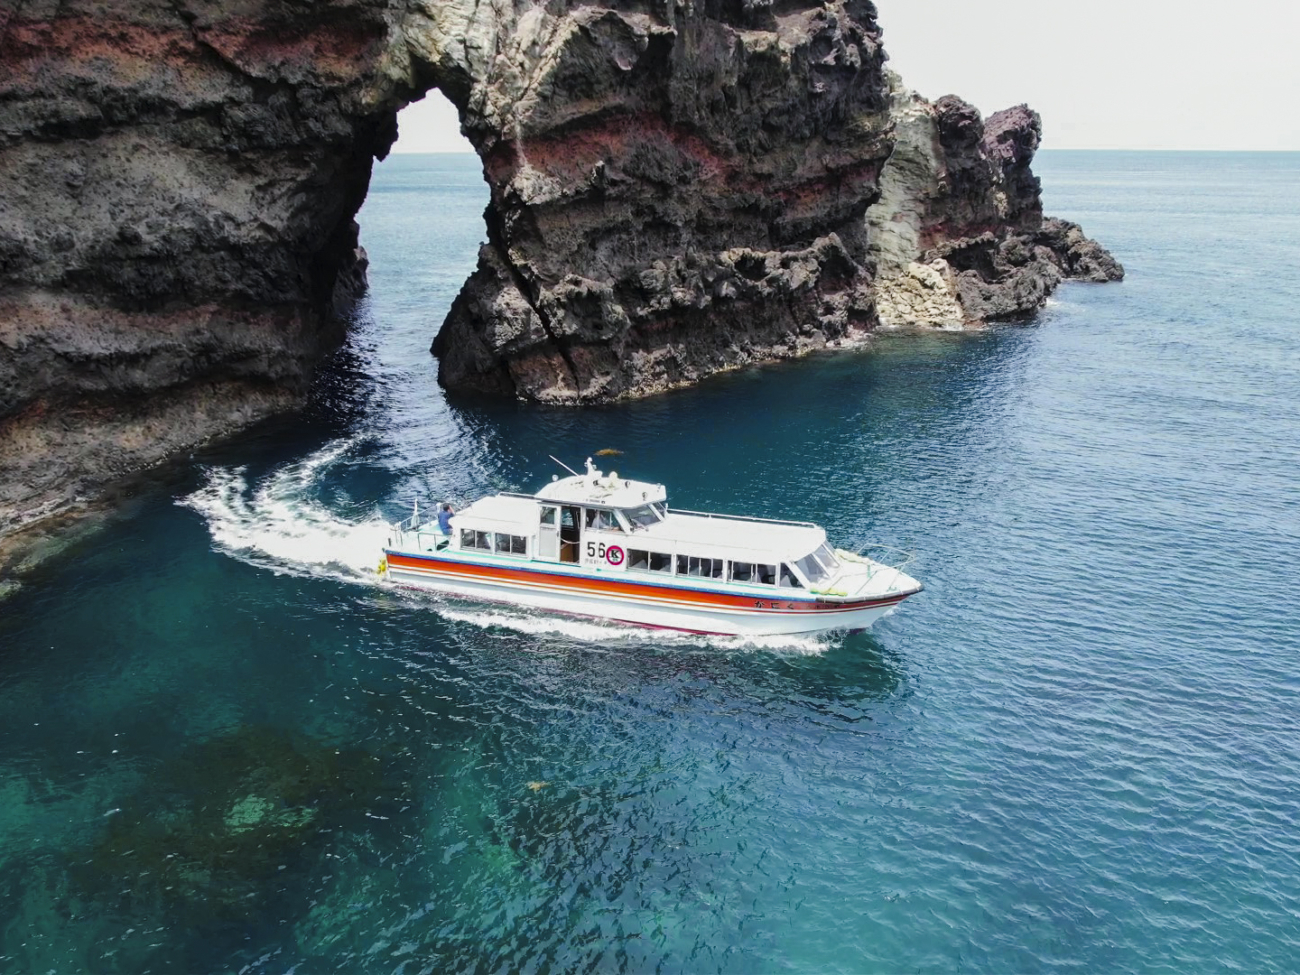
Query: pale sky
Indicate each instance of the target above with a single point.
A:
(1105, 74)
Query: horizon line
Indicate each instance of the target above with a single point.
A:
(471, 152)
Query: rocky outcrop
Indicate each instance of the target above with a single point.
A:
(177, 189)
(959, 236)
(675, 192)
(676, 189)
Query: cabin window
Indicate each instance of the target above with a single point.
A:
(638, 558)
(548, 516)
(602, 520)
(512, 544)
(642, 517)
(479, 541)
(788, 579)
(742, 571)
(765, 574)
(698, 568)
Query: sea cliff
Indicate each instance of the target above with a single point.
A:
(675, 189)
(958, 237)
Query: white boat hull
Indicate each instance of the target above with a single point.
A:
(663, 609)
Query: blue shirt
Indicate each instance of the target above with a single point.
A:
(444, 522)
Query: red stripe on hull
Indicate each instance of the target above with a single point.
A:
(590, 586)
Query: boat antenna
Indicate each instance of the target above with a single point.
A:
(564, 465)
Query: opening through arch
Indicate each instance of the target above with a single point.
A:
(421, 225)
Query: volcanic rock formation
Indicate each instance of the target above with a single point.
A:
(676, 188)
(177, 187)
(674, 192)
(958, 236)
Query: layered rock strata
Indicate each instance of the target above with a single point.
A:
(958, 237)
(177, 189)
(676, 188)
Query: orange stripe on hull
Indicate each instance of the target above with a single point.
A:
(635, 591)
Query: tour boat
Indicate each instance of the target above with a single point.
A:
(600, 545)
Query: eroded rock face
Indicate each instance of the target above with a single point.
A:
(676, 188)
(961, 211)
(177, 187)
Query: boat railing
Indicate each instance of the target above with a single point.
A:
(410, 524)
(427, 514)
(879, 558)
(761, 521)
(416, 531)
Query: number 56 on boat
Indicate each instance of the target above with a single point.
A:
(600, 545)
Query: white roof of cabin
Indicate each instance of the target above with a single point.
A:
(716, 536)
(606, 491)
(729, 538)
(498, 512)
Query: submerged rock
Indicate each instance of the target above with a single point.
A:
(205, 842)
(260, 812)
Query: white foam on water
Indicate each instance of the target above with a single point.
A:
(279, 526)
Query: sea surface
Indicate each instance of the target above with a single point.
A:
(225, 747)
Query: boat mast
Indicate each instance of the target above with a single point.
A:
(564, 465)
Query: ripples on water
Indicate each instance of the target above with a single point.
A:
(226, 747)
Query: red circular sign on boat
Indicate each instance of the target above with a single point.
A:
(614, 555)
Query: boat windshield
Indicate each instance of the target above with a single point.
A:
(818, 566)
(642, 517)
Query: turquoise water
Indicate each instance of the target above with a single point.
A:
(224, 747)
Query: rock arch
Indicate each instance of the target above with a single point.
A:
(677, 187)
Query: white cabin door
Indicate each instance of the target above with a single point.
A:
(548, 535)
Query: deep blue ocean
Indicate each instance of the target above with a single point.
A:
(224, 747)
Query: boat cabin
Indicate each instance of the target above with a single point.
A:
(603, 522)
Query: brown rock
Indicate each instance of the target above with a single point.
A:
(676, 189)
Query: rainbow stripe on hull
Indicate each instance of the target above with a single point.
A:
(676, 605)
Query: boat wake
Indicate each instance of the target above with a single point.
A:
(279, 526)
